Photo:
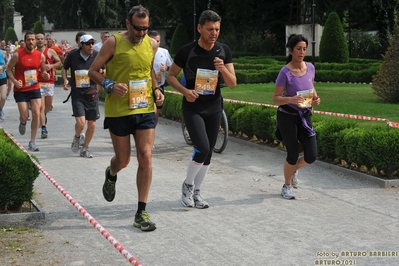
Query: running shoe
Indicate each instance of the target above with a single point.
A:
(187, 195)
(8, 97)
(143, 222)
(75, 144)
(287, 193)
(109, 190)
(199, 202)
(294, 180)
(2, 116)
(44, 133)
(32, 146)
(84, 152)
(22, 128)
(82, 139)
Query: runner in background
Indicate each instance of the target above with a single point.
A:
(47, 86)
(27, 61)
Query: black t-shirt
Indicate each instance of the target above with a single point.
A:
(74, 61)
(191, 56)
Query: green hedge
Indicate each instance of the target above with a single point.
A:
(251, 69)
(17, 175)
(376, 148)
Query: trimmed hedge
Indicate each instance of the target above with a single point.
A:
(376, 148)
(17, 175)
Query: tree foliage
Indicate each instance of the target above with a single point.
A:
(333, 44)
(386, 81)
(243, 22)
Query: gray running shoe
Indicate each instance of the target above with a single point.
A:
(294, 180)
(82, 139)
(187, 195)
(32, 146)
(199, 202)
(287, 193)
(84, 152)
(2, 116)
(22, 128)
(75, 144)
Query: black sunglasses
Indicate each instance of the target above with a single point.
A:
(89, 43)
(139, 28)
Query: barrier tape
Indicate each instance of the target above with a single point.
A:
(84, 213)
(359, 117)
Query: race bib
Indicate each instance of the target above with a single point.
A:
(1, 70)
(82, 79)
(206, 81)
(138, 96)
(30, 77)
(308, 96)
(44, 87)
(158, 77)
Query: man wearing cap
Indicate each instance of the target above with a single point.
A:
(84, 92)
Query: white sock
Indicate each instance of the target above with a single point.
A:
(192, 170)
(200, 176)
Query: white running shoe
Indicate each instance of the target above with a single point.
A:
(187, 195)
(199, 202)
(287, 193)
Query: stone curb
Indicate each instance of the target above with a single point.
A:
(33, 218)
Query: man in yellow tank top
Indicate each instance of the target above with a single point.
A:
(131, 90)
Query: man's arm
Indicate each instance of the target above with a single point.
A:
(56, 59)
(227, 71)
(95, 71)
(43, 67)
(174, 70)
(14, 60)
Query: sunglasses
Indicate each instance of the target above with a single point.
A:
(139, 28)
(89, 43)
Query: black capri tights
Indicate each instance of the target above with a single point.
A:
(203, 128)
(292, 131)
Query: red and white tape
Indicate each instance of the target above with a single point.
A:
(359, 117)
(85, 214)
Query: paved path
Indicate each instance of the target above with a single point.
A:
(336, 214)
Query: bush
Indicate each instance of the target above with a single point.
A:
(333, 44)
(38, 28)
(17, 174)
(10, 35)
(179, 38)
(386, 82)
(378, 149)
(327, 136)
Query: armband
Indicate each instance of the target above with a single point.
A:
(108, 85)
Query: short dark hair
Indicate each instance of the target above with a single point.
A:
(29, 32)
(104, 32)
(153, 33)
(78, 35)
(209, 15)
(138, 11)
